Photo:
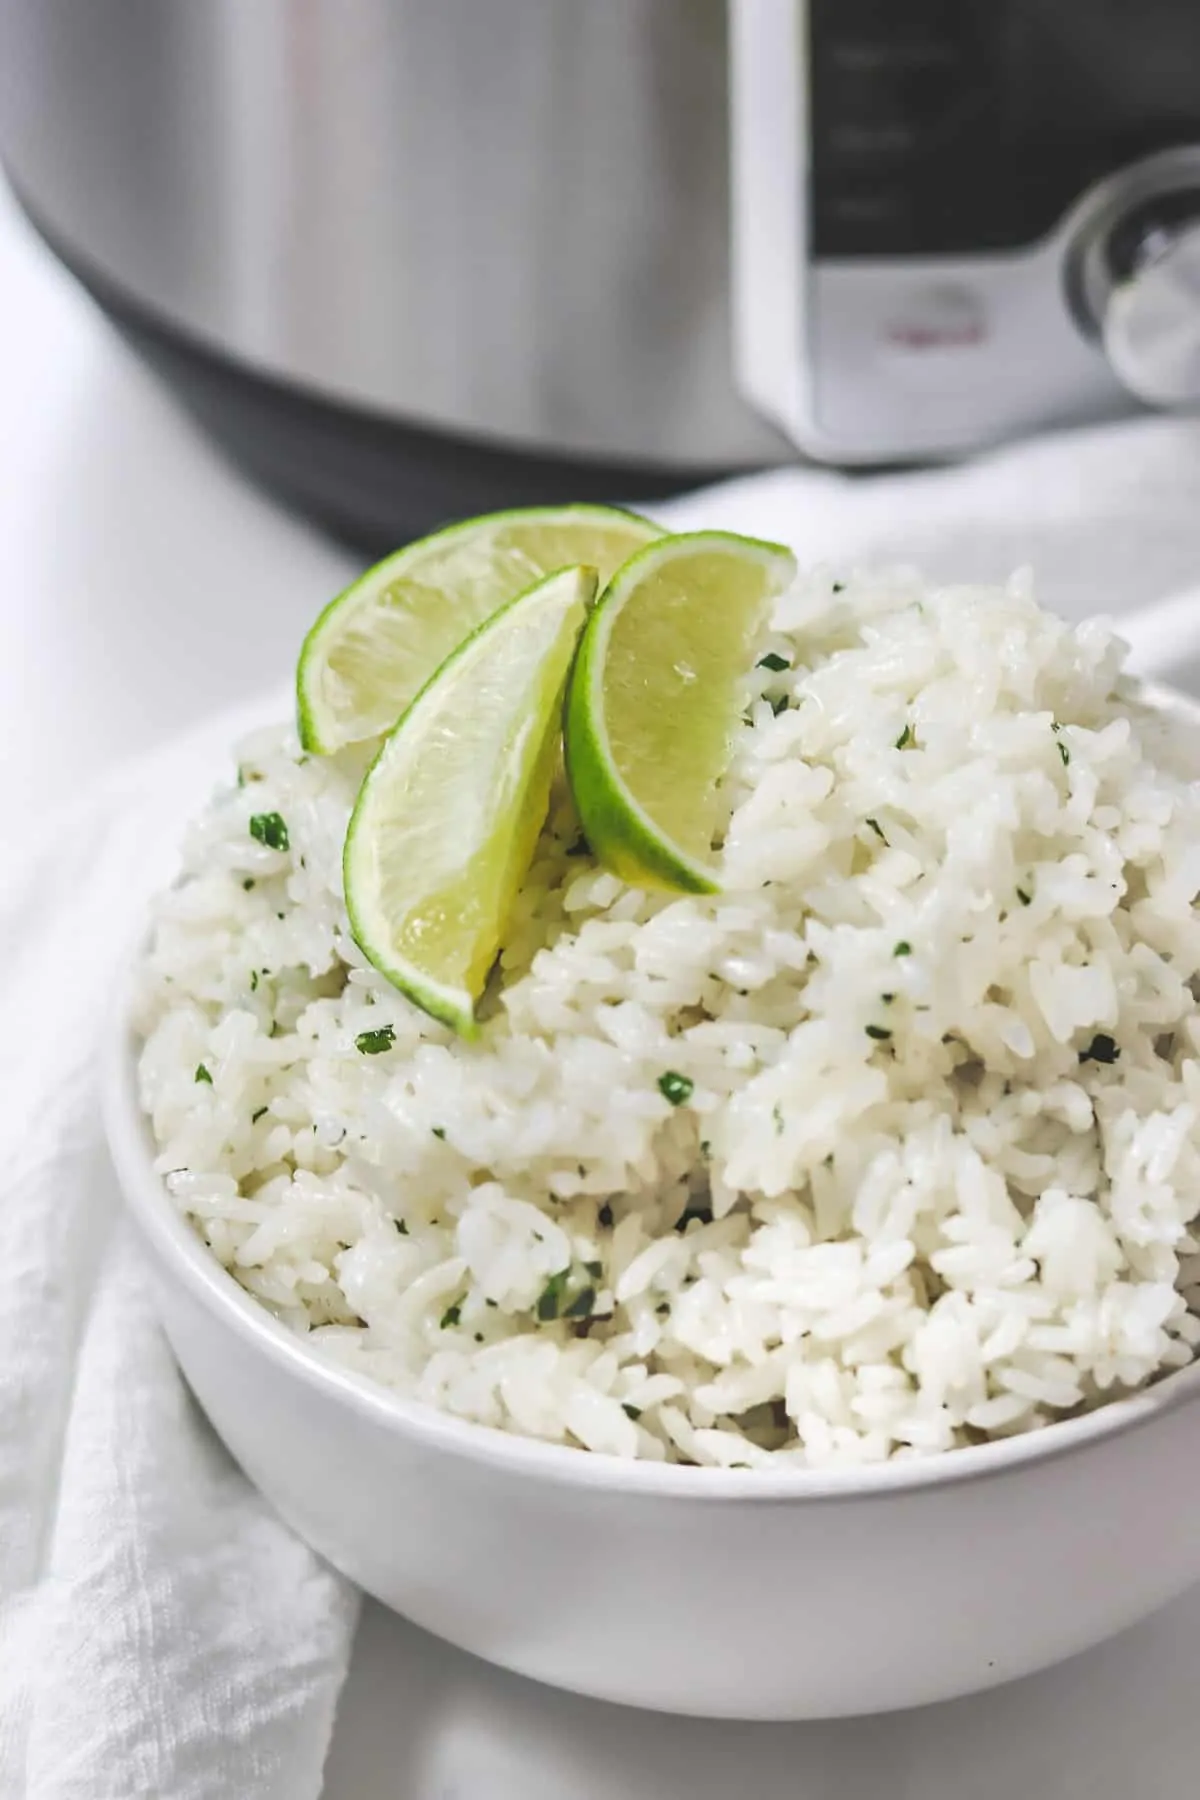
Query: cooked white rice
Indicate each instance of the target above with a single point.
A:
(892, 1147)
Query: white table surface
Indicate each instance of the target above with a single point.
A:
(130, 557)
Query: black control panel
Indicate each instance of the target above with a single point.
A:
(952, 127)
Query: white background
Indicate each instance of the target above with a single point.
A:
(142, 586)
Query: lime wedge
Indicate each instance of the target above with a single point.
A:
(445, 825)
(655, 697)
(377, 644)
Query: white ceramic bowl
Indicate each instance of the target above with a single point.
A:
(731, 1593)
(728, 1593)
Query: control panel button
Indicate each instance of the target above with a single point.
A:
(943, 320)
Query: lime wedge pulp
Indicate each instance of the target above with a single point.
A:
(447, 819)
(377, 644)
(655, 697)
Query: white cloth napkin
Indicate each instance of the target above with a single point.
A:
(162, 1635)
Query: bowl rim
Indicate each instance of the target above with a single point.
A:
(188, 1260)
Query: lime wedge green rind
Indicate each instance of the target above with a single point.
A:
(446, 822)
(376, 644)
(655, 697)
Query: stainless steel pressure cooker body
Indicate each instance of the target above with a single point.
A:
(413, 258)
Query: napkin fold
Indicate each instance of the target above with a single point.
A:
(162, 1635)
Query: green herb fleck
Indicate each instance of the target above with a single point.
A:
(605, 1216)
(451, 1316)
(903, 948)
(202, 1074)
(490, 1303)
(887, 998)
(877, 828)
(1102, 1049)
(401, 1227)
(248, 883)
(254, 981)
(594, 1269)
(256, 1116)
(773, 661)
(879, 1032)
(439, 1132)
(479, 1337)
(269, 829)
(705, 1147)
(906, 739)
(700, 1210)
(676, 1088)
(550, 1298)
(631, 1411)
(1065, 754)
(779, 705)
(371, 1043)
(581, 1306)
(777, 1116)
(1025, 897)
(839, 587)
(663, 1308)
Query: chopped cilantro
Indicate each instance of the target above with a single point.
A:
(439, 1131)
(1102, 1049)
(1065, 754)
(490, 1303)
(774, 662)
(401, 1227)
(254, 981)
(777, 1116)
(256, 1116)
(903, 948)
(877, 828)
(202, 1074)
(779, 705)
(269, 829)
(887, 998)
(1025, 897)
(700, 1210)
(839, 587)
(906, 739)
(705, 1147)
(248, 883)
(879, 1032)
(451, 1316)
(581, 1306)
(371, 1043)
(550, 1298)
(631, 1411)
(676, 1088)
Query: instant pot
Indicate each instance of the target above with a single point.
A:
(410, 259)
